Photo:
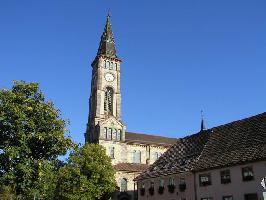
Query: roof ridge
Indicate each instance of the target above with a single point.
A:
(150, 135)
(238, 121)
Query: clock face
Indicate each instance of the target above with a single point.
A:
(109, 77)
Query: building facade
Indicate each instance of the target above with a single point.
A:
(131, 153)
(227, 162)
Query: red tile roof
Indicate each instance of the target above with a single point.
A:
(131, 167)
(149, 139)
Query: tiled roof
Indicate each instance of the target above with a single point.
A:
(230, 144)
(149, 139)
(234, 143)
(179, 158)
(130, 167)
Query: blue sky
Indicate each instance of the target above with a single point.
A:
(179, 57)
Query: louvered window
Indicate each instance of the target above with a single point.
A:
(108, 100)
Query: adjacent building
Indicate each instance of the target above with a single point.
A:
(222, 163)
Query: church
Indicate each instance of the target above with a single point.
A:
(131, 153)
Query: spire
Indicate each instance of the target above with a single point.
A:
(202, 125)
(107, 43)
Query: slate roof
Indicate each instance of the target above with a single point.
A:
(149, 139)
(234, 143)
(107, 43)
(131, 167)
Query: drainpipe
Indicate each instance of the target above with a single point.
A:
(195, 185)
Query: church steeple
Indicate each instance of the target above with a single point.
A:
(107, 43)
(104, 121)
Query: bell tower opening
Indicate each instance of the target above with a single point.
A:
(108, 100)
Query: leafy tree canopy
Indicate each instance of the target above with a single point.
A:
(31, 139)
(88, 174)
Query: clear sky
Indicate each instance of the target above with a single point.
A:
(179, 57)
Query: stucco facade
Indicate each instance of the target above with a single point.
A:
(183, 185)
(237, 188)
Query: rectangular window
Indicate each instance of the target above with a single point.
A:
(205, 179)
(247, 174)
(227, 197)
(225, 176)
(161, 183)
(253, 196)
(171, 181)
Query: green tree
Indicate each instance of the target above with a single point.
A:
(88, 174)
(31, 139)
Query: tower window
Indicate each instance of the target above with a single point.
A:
(111, 65)
(108, 100)
(107, 64)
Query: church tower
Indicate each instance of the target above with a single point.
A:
(104, 121)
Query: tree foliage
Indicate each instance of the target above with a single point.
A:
(88, 174)
(31, 138)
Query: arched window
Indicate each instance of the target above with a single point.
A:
(136, 156)
(111, 66)
(108, 100)
(107, 65)
(123, 185)
(114, 137)
(156, 156)
(109, 134)
(105, 133)
(119, 134)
